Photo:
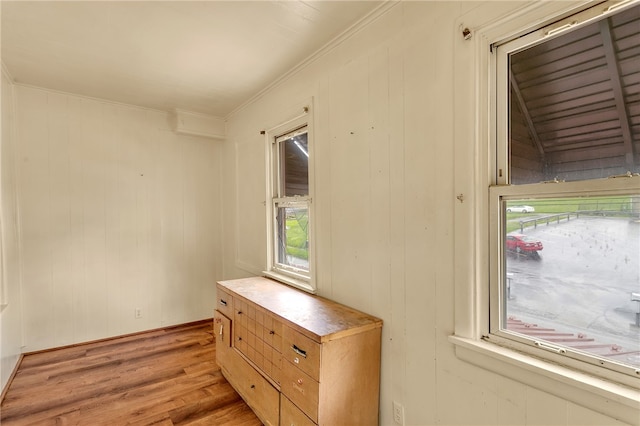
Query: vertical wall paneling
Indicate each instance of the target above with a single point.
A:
(582, 416)
(250, 202)
(208, 213)
(386, 177)
(322, 202)
(77, 189)
(555, 411)
(420, 201)
(511, 405)
(11, 330)
(33, 185)
(351, 150)
(172, 261)
(113, 140)
(379, 133)
(480, 402)
(395, 322)
(57, 126)
(118, 214)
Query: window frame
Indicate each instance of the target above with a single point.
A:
(500, 193)
(616, 395)
(501, 189)
(295, 277)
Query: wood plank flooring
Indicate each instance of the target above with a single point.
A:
(162, 377)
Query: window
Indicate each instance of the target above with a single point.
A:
(289, 213)
(565, 197)
(487, 182)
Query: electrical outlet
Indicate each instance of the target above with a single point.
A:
(138, 313)
(398, 413)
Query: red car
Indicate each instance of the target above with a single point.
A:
(523, 244)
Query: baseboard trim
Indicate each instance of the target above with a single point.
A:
(137, 333)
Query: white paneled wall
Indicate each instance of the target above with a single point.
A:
(117, 213)
(384, 210)
(10, 306)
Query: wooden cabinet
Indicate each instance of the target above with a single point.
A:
(295, 358)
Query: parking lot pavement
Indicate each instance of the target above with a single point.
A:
(583, 281)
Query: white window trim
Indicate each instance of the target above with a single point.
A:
(306, 283)
(598, 187)
(473, 103)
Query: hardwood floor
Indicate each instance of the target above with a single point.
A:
(162, 377)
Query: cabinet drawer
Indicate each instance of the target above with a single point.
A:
(272, 332)
(301, 389)
(302, 352)
(240, 312)
(224, 303)
(257, 392)
(272, 364)
(261, 354)
(290, 415)
(240, 337)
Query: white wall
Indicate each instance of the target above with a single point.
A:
(384, 161)
(116, 213)
(11, 308)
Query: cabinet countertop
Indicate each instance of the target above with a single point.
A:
(319, 318)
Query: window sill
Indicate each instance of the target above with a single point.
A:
(611, 399)
(293, 282)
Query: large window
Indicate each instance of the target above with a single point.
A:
(289, 192)
(565, 197)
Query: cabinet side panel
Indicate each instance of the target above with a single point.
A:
(350, 380)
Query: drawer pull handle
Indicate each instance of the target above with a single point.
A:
(223, 302)
(299, 381)
(272, 332)
(299, 351)
(221, 327)
(253, 386)
(239, 312)
(239, 338)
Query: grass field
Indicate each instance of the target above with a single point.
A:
(551, 206)
(564, 205)
(297, 235)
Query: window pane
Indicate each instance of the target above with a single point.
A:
(573, 103)
(294, 161)
(572, 268)
(293, 237)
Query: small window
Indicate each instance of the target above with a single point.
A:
(565, 206)
(291, 202)
(290, 195)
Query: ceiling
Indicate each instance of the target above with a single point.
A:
(201, 56)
